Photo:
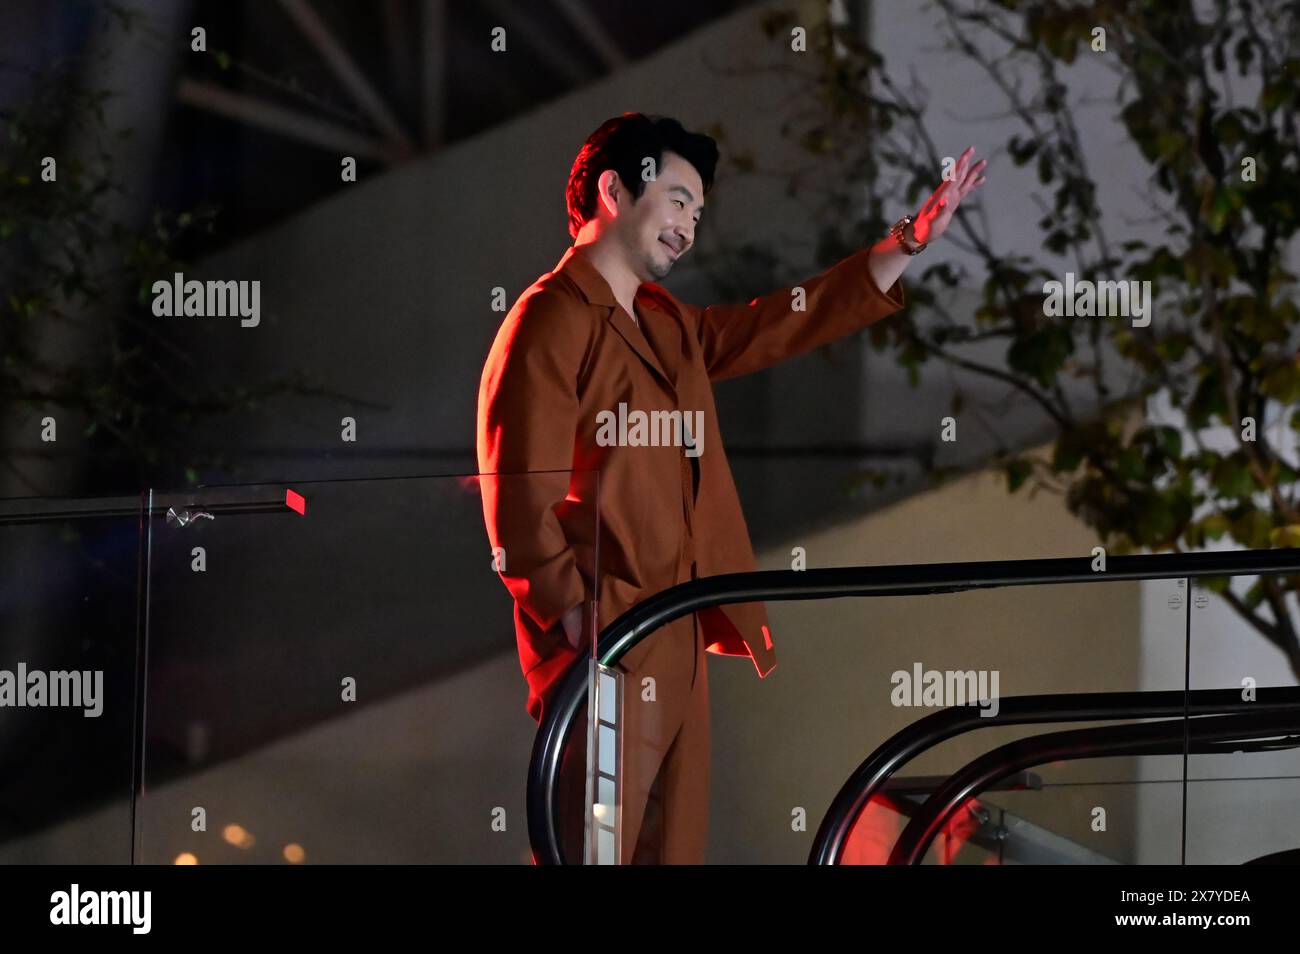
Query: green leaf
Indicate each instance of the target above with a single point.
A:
(1068, 452)
(1282, 381)
(1041, 354)
(1272, 96)
(1252, 529)
(1215, 526)
(1215, 584)
(1232, 478)
(1017, 471)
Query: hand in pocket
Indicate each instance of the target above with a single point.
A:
(573, 625)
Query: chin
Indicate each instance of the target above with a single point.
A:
(658, 269)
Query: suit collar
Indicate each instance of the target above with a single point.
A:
(577, 265)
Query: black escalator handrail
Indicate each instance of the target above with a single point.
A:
(871, 776)
(1205, 734)
(544, 767)
(921, 579)
(830, 583)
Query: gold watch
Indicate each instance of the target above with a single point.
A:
(898, 231)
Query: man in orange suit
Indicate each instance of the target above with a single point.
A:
(588, 354)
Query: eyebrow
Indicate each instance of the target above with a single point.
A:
(686, 192)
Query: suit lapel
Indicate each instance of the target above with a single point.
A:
(665, 340)
(575, 264)
(636, 339)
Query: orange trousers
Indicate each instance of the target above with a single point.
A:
(665, 764)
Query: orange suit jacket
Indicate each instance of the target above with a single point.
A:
(566, 352)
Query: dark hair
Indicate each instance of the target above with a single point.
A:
(622, 144)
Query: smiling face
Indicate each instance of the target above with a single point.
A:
(659, 228)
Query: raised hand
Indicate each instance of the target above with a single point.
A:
(932, 221)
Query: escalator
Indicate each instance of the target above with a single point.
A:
(1186, 723)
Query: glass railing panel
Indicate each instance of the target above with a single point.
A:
(1233, 820)
(69, 579)
(334, 675)
(1103, 823)
(1242, 800)
(852, 672)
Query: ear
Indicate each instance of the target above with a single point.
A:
(609, 188)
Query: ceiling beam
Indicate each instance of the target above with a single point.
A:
(346, 71)
(402, 75)
(593, 32)
(286, 122)
(433, 72)
(522, 26)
